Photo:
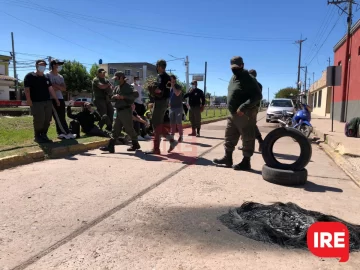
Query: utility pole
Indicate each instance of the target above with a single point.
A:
(305, 86)
(313, 77)
(205, 78)
(171, 70)
(187, 72)
(49, 59)
(17, 91)
(329, 62)
(347, 55)
(299, 64)
(268, 94)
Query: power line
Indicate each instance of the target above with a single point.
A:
(142, 27)
(51, 33)
(332, 29)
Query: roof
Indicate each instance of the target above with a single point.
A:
(5, 56)
(352, 31)
(131, 63)
(7, 78)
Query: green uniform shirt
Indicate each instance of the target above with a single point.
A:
(243, 92)
(129, 93)
(100, 93)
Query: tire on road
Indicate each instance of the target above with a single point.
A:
(296, 135)
(284, 177)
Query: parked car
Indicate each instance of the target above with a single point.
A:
(79, 102)
(276, 108)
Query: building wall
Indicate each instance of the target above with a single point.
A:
(4, 61)
(319, 96)
(133, 69)
(353, 94)
(4, 92)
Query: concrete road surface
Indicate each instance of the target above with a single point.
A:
(130, 211)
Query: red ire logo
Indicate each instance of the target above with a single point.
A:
(329, 240)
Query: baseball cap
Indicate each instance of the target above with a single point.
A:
(101, 70)
(253, 72)
(236, 62)
(41, 62)
(119, 74)
(56, 62)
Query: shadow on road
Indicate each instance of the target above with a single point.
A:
(312, 187)
(198, 144)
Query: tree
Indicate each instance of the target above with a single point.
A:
(287, 92)
(93, 71)
(76, 77)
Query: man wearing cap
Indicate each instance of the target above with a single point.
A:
(59, 112)
(258, 136)
(197, 103)
(243, 96)
(102, 90)
(124, 96)
(37, 91)
(161, 99)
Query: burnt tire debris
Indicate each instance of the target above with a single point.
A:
(276, 172)
(282, 224)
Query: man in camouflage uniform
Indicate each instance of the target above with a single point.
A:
(161, 103)
(243, 96)
(258, 136)
(124, 96)
(102, 91)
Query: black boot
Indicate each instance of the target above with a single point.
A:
(260, 146)
(110, 148)
(193, 133)
(135, 146)
(46, 138)
(226, 160)
(198, 132)
(38, 138)
(244, 165)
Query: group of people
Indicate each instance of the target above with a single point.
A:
(44, 96)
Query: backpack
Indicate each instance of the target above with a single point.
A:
(351, 127)
(74, 128)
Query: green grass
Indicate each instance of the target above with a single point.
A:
(17, 135)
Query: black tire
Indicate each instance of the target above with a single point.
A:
(273, 136)
(284, 177)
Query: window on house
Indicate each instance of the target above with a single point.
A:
(138, 74)
(127, 72)
(315, 100)
(339, 64)
(112, 71)
(319, 98)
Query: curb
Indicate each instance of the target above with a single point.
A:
(338, 147)
(342, 163)
(60, 152)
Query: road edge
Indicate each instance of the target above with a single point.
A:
(341, 162)
(63, 151)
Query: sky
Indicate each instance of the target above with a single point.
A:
(262, 32)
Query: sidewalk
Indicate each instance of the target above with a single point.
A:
(336, 139)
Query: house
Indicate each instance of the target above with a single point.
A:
(140, 69)
(320, 97)
(6, 93)
(350, 100)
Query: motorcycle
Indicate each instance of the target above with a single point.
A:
(300, 121)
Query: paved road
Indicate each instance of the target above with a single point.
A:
(125, 211)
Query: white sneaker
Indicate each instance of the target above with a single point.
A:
(147, 137)
(70, 136)
(140, 138)
(62, 136)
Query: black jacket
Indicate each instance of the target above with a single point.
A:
(85, 118)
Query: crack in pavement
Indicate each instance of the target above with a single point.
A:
(104, 216)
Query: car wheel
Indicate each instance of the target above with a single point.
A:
(284, 177)
(276, 134)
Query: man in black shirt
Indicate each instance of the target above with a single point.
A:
(197, 103)
(37, 90)
(161, 99)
